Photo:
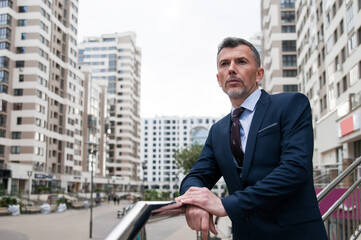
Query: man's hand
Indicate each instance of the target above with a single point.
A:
(200, 220)
(205, 199)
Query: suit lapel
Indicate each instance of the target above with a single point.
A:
(230, 173)
(258, 116)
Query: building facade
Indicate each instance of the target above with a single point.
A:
(115, 59)
(161, 137)
(41, 92)
(279, 57)
(329, 64)
(328, 70)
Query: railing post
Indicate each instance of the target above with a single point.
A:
(199, 235)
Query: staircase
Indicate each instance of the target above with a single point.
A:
(340, 203)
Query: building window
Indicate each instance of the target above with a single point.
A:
(16, 135)
(23, 36)
(349, 19)
(4, 76)
(2, 150)
(19, 120)
(18, 92)
(344, 84)
(343, 55)
(288, 29)
(289, 46)
(23, 9)
(288, 16)
(22, 22)
(287, 4)
(341, 27)
(289, 60)
(21, 78)
(3, 105)
(20, 50)
(19, 64)
(4, 45)
(289, 73)
(351, 43)
(5, 19)
(3, 89)
(18, 106)
(15, 149)
(6, 3)
(290, 88)
(2, 121)
(5, 33)
(4, 62)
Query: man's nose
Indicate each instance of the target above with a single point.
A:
(232, 67)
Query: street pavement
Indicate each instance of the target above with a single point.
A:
(74, 224)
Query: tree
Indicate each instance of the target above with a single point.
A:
(186, 158)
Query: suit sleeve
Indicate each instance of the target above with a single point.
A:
(205, 172)
(293, 171)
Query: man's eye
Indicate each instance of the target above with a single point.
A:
(224, 64)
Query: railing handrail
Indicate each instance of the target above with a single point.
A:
(136, 218)
(341, 200)
(321, 195)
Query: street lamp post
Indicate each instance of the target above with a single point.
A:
(92, 152)
(30, 173)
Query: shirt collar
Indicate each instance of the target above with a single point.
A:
(251, 101)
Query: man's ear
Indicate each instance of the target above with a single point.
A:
(260, 74)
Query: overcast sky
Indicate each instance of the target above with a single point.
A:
(179, 40)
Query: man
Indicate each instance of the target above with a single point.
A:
(269, 176)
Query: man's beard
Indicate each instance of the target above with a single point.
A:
(233, 93)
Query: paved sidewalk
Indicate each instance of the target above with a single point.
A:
(72, 224)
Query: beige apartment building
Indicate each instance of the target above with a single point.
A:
(41, 93)
(279, 57)
(328, 61)
(115, 59)
(51, 112)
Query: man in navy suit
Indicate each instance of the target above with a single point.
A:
(271, 194)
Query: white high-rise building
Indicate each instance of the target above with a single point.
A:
(161, 137)
(115, 58)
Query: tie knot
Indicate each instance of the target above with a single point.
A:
(237, 112)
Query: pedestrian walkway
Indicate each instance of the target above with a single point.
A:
(72, 224)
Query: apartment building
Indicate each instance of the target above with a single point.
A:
(41, 92)
(328, 69)
(329, 63)
(279, 57)
(161, 137)
(115, 59)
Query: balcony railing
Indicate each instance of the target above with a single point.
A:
(132, 225)
(343, 218)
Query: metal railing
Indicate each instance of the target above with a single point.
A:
(132, 226)
(343, 219)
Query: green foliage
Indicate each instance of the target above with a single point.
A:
(186, 158)
(43, 190)
(153, 195)
(63, 200)
(6, 201)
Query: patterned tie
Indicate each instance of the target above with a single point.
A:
(236, 144)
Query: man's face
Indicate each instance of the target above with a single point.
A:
(237, 72)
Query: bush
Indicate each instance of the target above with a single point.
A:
(6, 201)
(63, 200)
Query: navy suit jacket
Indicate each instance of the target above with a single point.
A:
(274, 198)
